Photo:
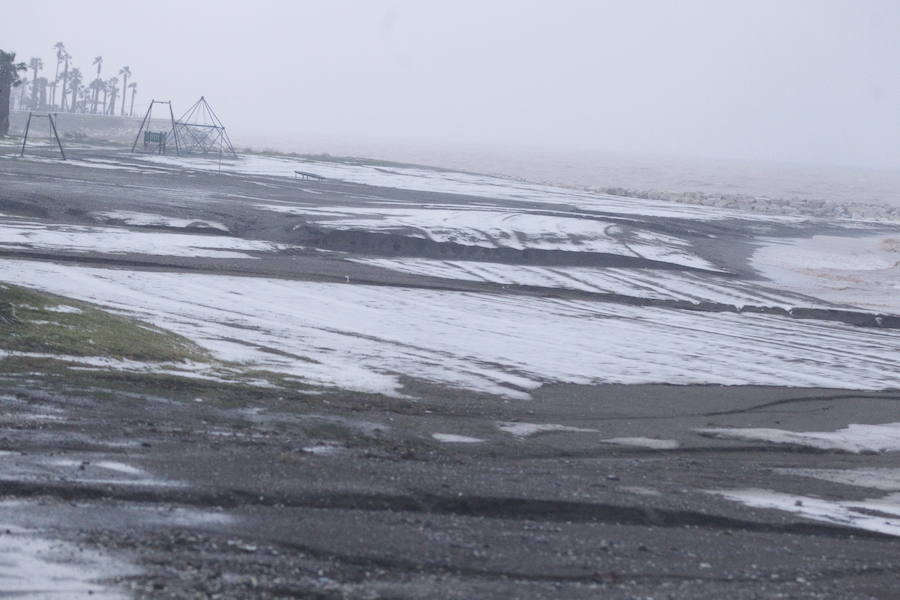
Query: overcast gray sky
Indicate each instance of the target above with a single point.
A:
(802, 80)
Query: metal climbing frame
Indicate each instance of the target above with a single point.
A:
(200, 131)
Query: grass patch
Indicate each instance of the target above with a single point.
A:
(32, 321)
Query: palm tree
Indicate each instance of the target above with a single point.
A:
(24, 93)
(97, 86)
(102, 103)
(36, 65)
(84, 99)
(112, 85)
(65, 81)
(75, 79)
(133, 86)
(60, 53)
(41, 84)
(9, 78)
(125, 72)
(98, 60)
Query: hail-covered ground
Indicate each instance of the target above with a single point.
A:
(399, 381)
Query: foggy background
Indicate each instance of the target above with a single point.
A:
(802, 81)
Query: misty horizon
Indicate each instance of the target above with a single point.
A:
(804, 83)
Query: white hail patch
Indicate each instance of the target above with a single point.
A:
(853, 438)
(188, 369)
(641, 283)
(139, 219)
(878, 514)
(529, 429)
(452, 438)
(876, 478)
(32, 566)
(80, 470)
(497, 227)
(63, 308)
(366, 338)
(116, 240)
(109, 465)
(644, 442)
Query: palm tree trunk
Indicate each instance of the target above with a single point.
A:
(53, 87)
(65, 80)
(34, 90)
(124, 91)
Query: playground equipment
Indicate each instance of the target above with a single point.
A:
(200, 131)
(155, 141)
(52, 122)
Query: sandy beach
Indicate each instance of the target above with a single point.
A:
(409, 382)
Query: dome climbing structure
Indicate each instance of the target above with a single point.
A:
(200, 131)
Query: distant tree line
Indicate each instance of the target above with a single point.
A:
(67, 91)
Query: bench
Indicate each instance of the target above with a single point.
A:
(306, 176)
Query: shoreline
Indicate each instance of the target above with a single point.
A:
(823, 191)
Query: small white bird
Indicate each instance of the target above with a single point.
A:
(348, 278)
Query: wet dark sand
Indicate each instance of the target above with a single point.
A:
(395, 513)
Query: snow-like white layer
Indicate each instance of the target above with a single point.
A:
(81, 470)
(78, 238)
(496, 227)
(110, 465)
(448, 182)
(324, 449)
(89, 163)
(644, 442)
(171, 516)
(32, 566)
(853, 438)
(859, 271)
(848, 513)
(881, 479)
(642, 283)
(63, 308)
(452, 438)
(101, 361)
(140, 219)
(189, 369)
(528, 429)
(367, 337)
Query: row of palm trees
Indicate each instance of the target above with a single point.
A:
(99, 96)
